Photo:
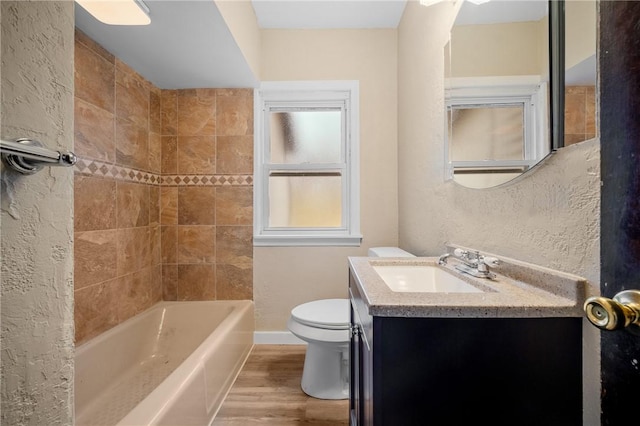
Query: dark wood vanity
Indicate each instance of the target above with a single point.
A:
(458, 370)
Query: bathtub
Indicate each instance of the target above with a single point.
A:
(172, 364)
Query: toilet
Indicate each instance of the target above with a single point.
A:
(324, 325)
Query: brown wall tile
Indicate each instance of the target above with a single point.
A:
(134, 294)
(196, 205)
(233, 283)
(197, 112)
(169, 205)
(155, 152)
(132, 145)
(156, 284)
(96, 309)
(132, 96)
(94, 132)
(94, 78)
(169, 112)
(234, 205)
(94, 203)
(580, 114)
(155, 245)
(169, 282)
(155, 110)
(234, 92)
(133, 250)
(234, 245)
(169, 155)
(196, 282)
(196, 244)
(574, 117)
(196, 155)
(590, 111)
(133, 204)
(169, 244)
(234, 154)
(154, 205)
(235, 115)
(89, 43)
(94, 257)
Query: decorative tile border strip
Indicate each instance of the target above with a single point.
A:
(207, 180)
(101, 169)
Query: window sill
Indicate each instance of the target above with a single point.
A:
(306, 240)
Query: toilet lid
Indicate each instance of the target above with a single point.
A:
(329, 313)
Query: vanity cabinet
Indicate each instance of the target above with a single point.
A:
(455, 371)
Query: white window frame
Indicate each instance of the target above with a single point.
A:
(289, 94)
(528, 91)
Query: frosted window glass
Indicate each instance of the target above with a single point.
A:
(297, 201)
(486, 133)
(299, 137)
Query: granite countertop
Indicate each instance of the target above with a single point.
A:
(519, 290)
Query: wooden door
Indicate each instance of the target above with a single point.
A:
(619, 71)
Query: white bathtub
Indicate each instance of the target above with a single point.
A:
(170, 365)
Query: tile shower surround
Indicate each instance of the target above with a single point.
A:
(580, 114)
(163, 192)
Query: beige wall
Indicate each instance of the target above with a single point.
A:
(498, 49)
(549, 217)
(37, 217)
(241, 20)
(580, 33)
(286, 277)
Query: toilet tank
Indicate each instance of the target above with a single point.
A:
(388, 252)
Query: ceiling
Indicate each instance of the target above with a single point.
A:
(188, 44)
(307, 14)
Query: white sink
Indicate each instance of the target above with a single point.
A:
(422, 279)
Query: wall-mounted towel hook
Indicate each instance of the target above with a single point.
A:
(27, 156)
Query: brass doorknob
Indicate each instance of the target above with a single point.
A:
(613, 314)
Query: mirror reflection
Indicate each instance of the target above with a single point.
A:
(497, 91)
(580, 76)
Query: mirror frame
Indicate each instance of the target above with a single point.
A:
(556, 72)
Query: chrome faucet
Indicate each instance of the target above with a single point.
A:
(472, 263)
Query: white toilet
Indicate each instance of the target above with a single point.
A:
(324, 325)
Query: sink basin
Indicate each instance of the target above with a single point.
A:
(422, 279)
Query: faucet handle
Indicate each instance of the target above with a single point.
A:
(490, 260)
(460, 253)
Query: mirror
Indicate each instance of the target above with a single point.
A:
(580, 122)
(498, 91)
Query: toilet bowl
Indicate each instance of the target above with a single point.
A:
(324, 325)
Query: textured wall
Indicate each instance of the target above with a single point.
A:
(549, 217)
(37, 217)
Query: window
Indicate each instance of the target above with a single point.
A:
(306, 189)
(496, 128)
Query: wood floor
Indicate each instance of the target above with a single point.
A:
(267, 392)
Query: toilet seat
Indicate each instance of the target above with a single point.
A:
(327, 314)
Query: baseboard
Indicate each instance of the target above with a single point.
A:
(276, 338)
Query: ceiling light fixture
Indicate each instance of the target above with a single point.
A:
(432, 2)
(117, 12)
